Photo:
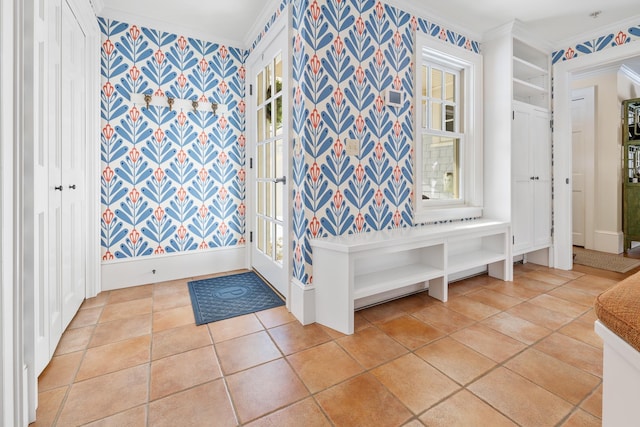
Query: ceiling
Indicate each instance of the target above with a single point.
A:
(237, 22)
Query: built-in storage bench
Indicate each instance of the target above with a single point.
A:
(355, 270)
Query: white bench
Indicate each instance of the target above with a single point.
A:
(360, 269)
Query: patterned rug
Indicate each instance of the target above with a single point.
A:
(224, 297)
(604, 261)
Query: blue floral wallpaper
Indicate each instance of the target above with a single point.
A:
(597, 44)
(172, 180)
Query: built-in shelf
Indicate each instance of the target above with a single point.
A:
(379, 265)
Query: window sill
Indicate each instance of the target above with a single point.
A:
(429, 215)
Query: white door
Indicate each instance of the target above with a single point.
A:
(73, 112)
(522, 183)
(541, 154)
(582, 105)
(269, 163)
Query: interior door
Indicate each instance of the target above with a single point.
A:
(269, 162)
(583, 143)
(73, 119)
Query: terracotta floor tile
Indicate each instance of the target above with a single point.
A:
(265, 388)
(573, 352)
(464, 409)
(540, 316)
(323, 366)
(570, 274)
(406, 377)
(294, 337)
(471, 308)
(558, 304)
(362, 401)
(60, 371)
(410, 332)
(495, 299)
(130, 418)
(494, 345)
(125, 310)
(532, 284)
(582, 331)
(593, 403)
(574, 295)
(522, 268)
(413, 303)
(382, 312)
(179, 340)
(547, 277)
(86, 317)
(114, 357)
(171, 287)
(235, 327)
(130, 294)
(183, 370)
(517, 328)
(564, 380)
(275, 317)
(581, 418)
(465, 286)
(125, 389)
(413, 423)
(48, 406)
(118, 330)
(443, 318)
(456, 360)
(97, 301)
(305, 413)
(246, 351)
(211, 402)
(170, 300)
(173, 318)
(74, 340)
(589, 317)
(521, 400)
(592, 284)
(514, 290)
(371, 347)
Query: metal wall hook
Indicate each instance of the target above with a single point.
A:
(72, 186)
(170, 101)
(194, 104)
(147, 100)
(59, 188)
(214, 107)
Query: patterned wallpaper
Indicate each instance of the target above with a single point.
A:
(172, 180)
(598, 44)
(346, 54)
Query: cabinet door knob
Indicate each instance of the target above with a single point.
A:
(532, 178)
(59, 187)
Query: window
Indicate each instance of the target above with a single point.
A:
(448, 132)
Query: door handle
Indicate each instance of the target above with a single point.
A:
(72, 186)
(59, 187)
(282, 179)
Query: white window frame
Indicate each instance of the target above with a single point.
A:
(469, 205)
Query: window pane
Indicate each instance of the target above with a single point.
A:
(436, 116)
(278, 117)
(449, 118)
(268, 125)
(278, 76)
(279, 243)
(261, 225)
(450, 82)
(440, 168)
(425, 82)
(425, 123)
(260, 89)
(260, 130)
(436, 83)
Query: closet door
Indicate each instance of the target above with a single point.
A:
(73, 131)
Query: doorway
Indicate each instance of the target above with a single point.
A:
(269, 163)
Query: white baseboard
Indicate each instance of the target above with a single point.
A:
(155, 269)
(303, 302)
(608, 241)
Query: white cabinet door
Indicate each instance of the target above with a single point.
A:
(531, 178)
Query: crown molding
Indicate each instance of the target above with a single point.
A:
(270, 7)
(98, 6)
(630, 74)
(598, 32)
(169, 27)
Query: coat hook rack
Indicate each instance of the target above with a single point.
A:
(149, 99)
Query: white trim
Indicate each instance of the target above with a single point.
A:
(563, 72)
(598, 31)
(472, 154)
(302, 302)
(161, 268)
(608, 241)
(630, 74)
(270, 7)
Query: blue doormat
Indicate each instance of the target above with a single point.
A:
(224, 297)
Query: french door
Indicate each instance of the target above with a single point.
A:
(269, 163)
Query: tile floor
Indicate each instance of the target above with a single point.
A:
(496, 354)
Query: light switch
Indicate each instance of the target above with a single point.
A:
(352, 146)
